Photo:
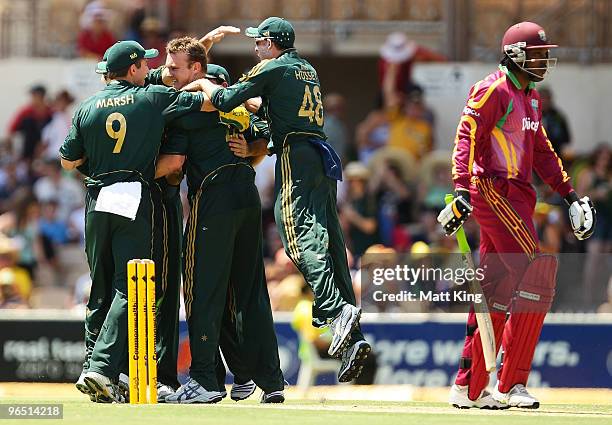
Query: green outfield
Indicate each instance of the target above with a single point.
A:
(79, 411)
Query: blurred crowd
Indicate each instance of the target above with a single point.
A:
(393, 188)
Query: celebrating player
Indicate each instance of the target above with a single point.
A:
(118, 132)
(500, 140)
(223, 245)
(307, 170)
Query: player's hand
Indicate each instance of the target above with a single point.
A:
(217, 35)
(239, 146)
(253, 104)
(454, 214)
(582, 215)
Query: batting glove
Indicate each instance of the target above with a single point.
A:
(454, 214)
(582, 215)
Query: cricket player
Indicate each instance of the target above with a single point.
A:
(500, 142)
(307, 170)
(223, 257)
(118, 132)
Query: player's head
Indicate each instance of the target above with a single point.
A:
(217, 74)
(272, 37)
(186, 61)
(525, 45)
(127, 60)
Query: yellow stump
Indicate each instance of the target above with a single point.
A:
(142, 331)
(151, 331)
(132, 279)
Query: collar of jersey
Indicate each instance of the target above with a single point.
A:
(512, 77)
(114, 83)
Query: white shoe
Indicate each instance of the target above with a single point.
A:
(341, 328)
(80, 384)
(353, 360)
(516, 397)
(192, 392)
(242, 391)
(163, 391)
(124, 386)
(459, 398)
(273, 397)
(103, 388)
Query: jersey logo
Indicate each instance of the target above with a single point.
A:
(469, 111)
(534, 104)
(530, 125)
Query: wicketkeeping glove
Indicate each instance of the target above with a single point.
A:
(582, 215)
(454, 214)
(237, 119)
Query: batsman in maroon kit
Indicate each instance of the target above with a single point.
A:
(500, 141)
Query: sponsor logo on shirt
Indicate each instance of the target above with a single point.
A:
(530, 125)
(470, 111)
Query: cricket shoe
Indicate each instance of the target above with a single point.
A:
(341, 328)
(459, 399)
(103, 388)
(242, 391)
(163, 392)
(516, 397)
(192, 392)
(273, 397)
(80, 384)
(353, 360)
(124, 386)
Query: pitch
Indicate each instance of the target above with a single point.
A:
(78, 411)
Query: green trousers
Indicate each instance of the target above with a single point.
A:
(223, 263)
(307, 221)
(167, 244)
(110, 242)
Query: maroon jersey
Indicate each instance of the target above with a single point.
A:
(501, 135)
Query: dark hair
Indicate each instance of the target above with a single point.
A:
(192, 47)
(111, 75)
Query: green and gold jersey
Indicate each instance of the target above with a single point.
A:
(291, 93)
(119, 130)
(202, 137)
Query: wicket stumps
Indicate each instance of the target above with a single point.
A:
(142, 331)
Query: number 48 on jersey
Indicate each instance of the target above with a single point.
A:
(312, 108)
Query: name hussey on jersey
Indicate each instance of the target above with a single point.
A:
(530, 125)
(115, 101)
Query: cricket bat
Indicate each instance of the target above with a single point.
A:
(483, 317)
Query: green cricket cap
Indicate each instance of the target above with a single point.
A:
(123, 54)
(218, 73)
(278, 29)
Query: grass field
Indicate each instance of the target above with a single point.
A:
(77, 410)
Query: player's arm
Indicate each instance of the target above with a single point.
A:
(217, 35)
(485, 107)
(72, 151)
(172, 153)
(262, 78)
(550, 169)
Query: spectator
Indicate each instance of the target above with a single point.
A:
(63, 189)
(358, 214)
(596, 180)
(13, 176)
(409, 121)
(21, 224)
(95, 36)
(398, 50)
(372, 134)
(9, 296)
(17, 276)
(55, 132)
(29, 121)
(334, 127)
(395, 196)
(554, 122)
(153, 38)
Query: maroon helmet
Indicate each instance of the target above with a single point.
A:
(524, 36)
